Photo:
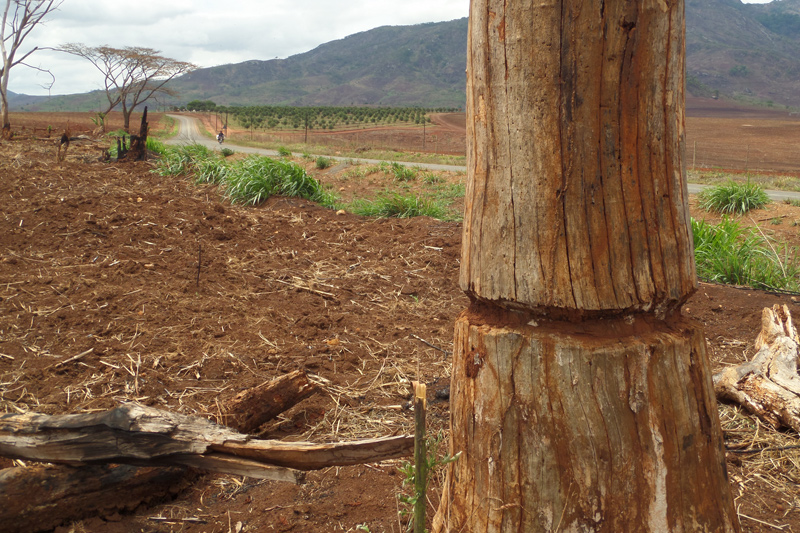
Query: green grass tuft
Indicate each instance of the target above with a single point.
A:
(400, 206)
(323, 162)
(733, 198)
(254, 179)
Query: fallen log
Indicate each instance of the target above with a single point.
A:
(252, 408)
(39, 497)
(145, 436)
(768, 386)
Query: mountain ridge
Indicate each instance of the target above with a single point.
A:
(749, 52)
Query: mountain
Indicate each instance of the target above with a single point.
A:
(745, 51)
(392, 65)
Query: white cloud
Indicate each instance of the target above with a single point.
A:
(209, 33)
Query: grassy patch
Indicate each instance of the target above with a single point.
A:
(254, 179)
(728, 253)
(733, 198)
(401, 206)
(250, 181)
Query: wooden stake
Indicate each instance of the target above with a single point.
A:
(420, 459)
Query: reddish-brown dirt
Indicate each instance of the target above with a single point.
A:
(187, 300)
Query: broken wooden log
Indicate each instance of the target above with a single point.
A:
(768, 386)
(252, 408)
(39, 497)
(145, 436)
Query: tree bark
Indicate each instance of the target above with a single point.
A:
(580, 427)
(576, 201)
(40, 498)
(581, 400)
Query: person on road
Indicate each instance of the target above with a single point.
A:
(220, 137)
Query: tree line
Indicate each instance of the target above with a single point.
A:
(319, 117)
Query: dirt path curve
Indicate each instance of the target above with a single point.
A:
(189, 132)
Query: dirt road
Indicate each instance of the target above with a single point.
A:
(189, 132)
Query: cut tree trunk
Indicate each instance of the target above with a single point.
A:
(581, 427)
(576, 201)
(252, 408)
(40, 498)
(768, 386)
(581, 400)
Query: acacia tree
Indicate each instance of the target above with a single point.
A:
(131, 75)
(20, 17)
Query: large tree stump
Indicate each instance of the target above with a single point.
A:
(581, 400)
(580, 427)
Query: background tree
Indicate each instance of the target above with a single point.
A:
(131, 75)
(20, 17)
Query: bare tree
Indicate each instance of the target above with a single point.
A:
(131, 75)
(20, 17)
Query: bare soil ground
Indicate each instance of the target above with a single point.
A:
(187, 300)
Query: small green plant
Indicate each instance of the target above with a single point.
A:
(362, 527)
(156, 146)
(792, 201)
(434, 462)
(284, 152)
(227, 152)
(99, 119)
(403, 173)
(323, 162)
(776, 221)
(429, 178)
(733, 198)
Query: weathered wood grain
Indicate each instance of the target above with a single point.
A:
(135, 434)
(768, 385)
(577, 199)
(602, 426)
(580, 401)
(248, 410)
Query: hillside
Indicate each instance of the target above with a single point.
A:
(746, 51)
(750, 52)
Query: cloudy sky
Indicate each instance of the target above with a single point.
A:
(208, 33)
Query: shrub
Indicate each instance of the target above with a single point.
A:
(323, 162)
(227, 152)
(733, 198)
(284, 152)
